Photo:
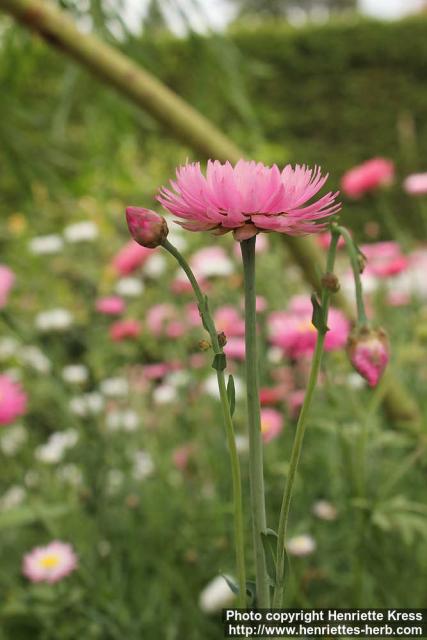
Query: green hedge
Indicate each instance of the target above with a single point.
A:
(332, 94)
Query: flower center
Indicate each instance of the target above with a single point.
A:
(50, 561)
(306, 325)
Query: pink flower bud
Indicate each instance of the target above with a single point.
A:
(146, 227)
(368, 350)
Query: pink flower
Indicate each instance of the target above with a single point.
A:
(13, 400)
(295, 401)
(294, 332)
(210, 262)
(130, 257)
(181, 456)
(416, 184)
(50, 563)
(156, 371)
(146, 227)
(368, 351)
(110, 305)
(158, 316)
(273, 395)
(384, 259)
(228, 320)
(248, 198)
(125, 330)
(367, 176)
(235, 348)
(324, 240)
(7, 278)
(271, 424)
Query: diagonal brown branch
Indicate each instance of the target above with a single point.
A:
(146, 91)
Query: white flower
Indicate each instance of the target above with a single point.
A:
(84, 231)
(71, 474)
(87, 404)
(242, 443)
(155, 266)
(143, 465)
(275, 355)
(355, 381)
(44, 245)
(75, 373)
(12, 439)
(54, 320)
(324, 510)
(114, 387)
(54, 449)
(176, 236)
(129, 287)
(13, 497)
(35, 358)
(178, 378)
(8, 348)
(122, 421)
(210, 386)
(302, 545)
(164, 394)
(216, 595)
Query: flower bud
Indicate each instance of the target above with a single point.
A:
(146, 227)
(330, 282)
(368, 350)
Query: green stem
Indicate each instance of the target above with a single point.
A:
(355, 265)
(299, 436)
(226, 412)
(256, 474)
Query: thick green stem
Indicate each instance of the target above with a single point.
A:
(259, 523)
(226, 412)
(299, 437)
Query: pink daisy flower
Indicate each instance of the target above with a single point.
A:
(50, 563)
(294, 332)
(271, 424)
(125, 330)
(384, 259)
(368, 176)
(130, 257)
(110, 305)
(248, 198)
(228, 320)
(13, 400)
(7, 278)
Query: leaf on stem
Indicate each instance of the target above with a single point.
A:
(269, 542)
(231, 394)
(318, 317)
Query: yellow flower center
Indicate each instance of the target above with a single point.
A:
(306, 325)
(265, 425)
(49, 561)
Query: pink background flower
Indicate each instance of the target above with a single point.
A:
(110, 305)
(13, 400)
(50, 563)
(7, 278)
(367, 176)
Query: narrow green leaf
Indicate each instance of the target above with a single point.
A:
(231, 393)
(269, 542)
(318, 317)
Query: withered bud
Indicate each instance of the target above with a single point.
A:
(204, 345)
(222, 339)
(330, 282)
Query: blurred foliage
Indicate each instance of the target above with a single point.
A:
(281, 8)
(333, 95)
